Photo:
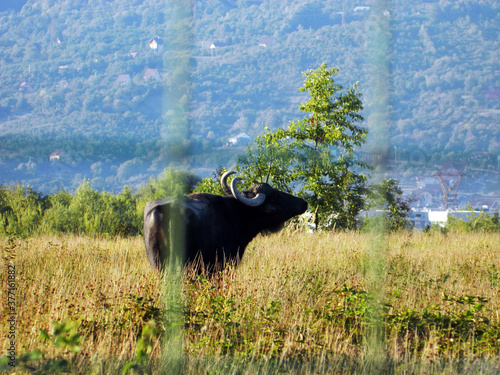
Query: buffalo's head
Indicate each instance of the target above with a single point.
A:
(275, 207)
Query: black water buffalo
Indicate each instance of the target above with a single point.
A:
(217, 229)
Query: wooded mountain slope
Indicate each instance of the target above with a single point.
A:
(80, 76)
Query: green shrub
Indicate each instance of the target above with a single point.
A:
(477, 222)
(21, 210)
(24, 212)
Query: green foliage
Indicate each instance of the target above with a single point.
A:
(315, 154)
(325, 141)
(24, 212)
(211, 185)
(268, 160)
(477, 222)
(21, 210)
(388, 196)
(64, 335)
(58, 217)
(149, 335)
(456, 321)
(91, 212)
(88, 204)
(349, 309)
(456, 324)
(171, 184)
(332, 114)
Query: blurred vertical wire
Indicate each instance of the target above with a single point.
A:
(175, 137)
(379, 60)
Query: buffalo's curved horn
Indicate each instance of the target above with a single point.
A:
(223, 182)
(255, 202)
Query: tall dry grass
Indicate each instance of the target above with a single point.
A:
(298, 303)
(105, 285)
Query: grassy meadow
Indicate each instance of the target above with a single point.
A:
(300, 303)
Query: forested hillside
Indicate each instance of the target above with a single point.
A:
(80, 80)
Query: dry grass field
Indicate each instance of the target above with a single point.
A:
(410, 303)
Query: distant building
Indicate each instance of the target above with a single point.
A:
(485, 204)
(156, 43)
(151, 75)
(361, 9)
(419, 219)
(492, 94)
(123, 80)
(241, 139)
(425, 198)
(267, 41)
(56, 155)
(423, 219)
(25, 87)
(480, 155)
(215, 45)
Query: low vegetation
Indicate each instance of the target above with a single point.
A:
(25, 212)
(298, 303)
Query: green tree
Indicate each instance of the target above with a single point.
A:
(58, 218)
(388, 196)
(315, 154)
(211, 185)
(172, 183)
(119, 215)
(476, 222)
(88, 206)
(21, 210)
(268, 160)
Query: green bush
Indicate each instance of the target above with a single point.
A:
(211, 185)
(24, 212)
(21, 210)
(477, 222)
(58, 217)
